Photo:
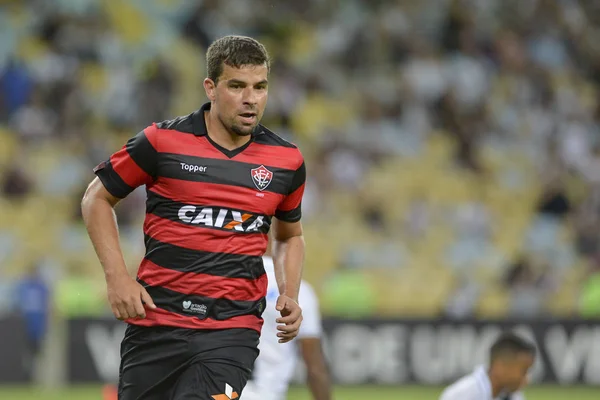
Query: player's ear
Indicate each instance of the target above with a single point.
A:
(210, 88)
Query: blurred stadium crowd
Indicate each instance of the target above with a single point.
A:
(452, 146)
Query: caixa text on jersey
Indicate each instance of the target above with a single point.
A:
(223, 218)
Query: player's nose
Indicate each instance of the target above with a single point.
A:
(250, 97)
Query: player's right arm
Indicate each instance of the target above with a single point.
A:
(130, 167)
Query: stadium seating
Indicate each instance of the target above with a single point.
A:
(343, 248)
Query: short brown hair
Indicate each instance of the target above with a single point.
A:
(234, 51)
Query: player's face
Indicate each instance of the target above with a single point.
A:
(240, 97)
(516, 370)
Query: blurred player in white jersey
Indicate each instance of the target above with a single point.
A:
(511, 357)
(275, 366)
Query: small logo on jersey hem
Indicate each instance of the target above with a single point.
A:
(228, 395)
(261, 177)
(194, 308)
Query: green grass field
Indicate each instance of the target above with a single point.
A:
(341, 393)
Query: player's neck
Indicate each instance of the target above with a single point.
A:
(220, 135)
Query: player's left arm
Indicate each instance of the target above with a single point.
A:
(288, 256)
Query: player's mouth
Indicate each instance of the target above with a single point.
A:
(248, 118)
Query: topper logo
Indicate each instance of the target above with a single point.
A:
(192, 168)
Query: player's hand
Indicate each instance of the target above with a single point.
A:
(127, 298)
(291, 318)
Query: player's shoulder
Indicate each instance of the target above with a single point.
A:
(158, 132)
(269, 138)
(183, 123)
(464, 388)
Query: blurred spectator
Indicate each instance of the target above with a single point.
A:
(346, 167)
(16, 86)
(195, 27)
(587, 238)
(374, 217)
(155, 93)
(16, 183)
(526, 286)
(589, 167)
(464, 128)
(472, 127)
(554, 201)
(418, 218)
(473, 220)
(35, 120)
(33, 305)
(461, 303)
(424, 73)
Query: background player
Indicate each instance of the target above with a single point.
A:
(276, 363)
(511, 357)
(214, 180)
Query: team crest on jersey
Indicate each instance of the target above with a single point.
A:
(261, 177)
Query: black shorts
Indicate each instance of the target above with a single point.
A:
(163, 363)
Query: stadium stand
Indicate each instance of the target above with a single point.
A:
(452, 151)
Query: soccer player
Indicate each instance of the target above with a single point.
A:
(511, 357)
(275, 365)
(216, 180)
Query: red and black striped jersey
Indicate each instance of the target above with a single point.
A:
(208, 213)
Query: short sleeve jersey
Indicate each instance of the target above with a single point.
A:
(208, 213)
